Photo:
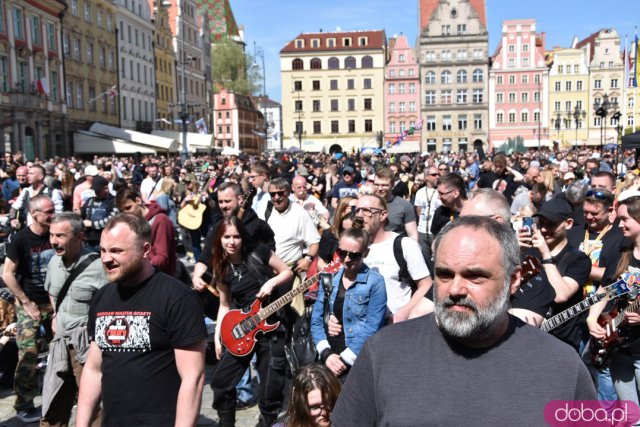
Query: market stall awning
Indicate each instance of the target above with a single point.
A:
(195, 141)
(144, 139)
(92, 143)
(631, 141)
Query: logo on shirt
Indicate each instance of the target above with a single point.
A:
(123, 331)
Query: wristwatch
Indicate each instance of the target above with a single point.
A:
(551, 260)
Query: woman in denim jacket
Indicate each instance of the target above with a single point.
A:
(358, 299)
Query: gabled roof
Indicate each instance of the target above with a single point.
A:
(376, 39)
(427, 7)
(590, 40)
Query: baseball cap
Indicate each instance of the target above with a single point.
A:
(317, 165)
(555, 210)
(569, 175)
(347, 169)
(91, 170)
(627, 194)
(98, 183)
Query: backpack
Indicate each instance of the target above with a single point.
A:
(403, 273)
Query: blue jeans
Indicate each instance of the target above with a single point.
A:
(625, 371)
(244, 388)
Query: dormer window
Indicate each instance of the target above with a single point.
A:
(315, 43)
(346, 42)
(299, 44)
(331, 42)
(362, 41)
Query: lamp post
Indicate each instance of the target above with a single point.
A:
(578, 115)
(603, 111)
(259, 52)
(558, 122)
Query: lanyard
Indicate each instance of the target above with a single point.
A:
(602, 233)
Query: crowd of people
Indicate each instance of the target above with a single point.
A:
(453, 274)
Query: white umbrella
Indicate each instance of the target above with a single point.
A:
(230, 151)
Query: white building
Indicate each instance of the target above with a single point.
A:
(136, 65)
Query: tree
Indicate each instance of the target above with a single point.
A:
(233, 69)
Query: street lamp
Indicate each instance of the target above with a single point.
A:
(259, 52)
(603, 111)
(578, 115)
(558, 123)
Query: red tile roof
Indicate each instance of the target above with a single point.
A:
(427, 7)
(590, 40)
(376, 40)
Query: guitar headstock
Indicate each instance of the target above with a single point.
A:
(529, 268)
(333, 267)
(247, 198)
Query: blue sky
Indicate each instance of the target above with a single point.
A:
(272, 23)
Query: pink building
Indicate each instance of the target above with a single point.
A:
(237, 122)
(402, 95)
(518, 89)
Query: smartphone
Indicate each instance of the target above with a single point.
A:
(527, 222)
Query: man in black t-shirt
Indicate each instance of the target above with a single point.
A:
(502, 178)
(565, 269)
(25, 268)
(147, 333)
(451, 191)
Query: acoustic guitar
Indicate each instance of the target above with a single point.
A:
(240, 326)
(190, 216)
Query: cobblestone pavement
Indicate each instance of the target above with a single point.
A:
(244, 418)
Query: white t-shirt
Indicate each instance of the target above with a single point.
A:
(382, 260)
(294, 230)
(148, 186)
(428, 201)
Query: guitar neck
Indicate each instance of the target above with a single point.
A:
(287, 298)
(621, 318)
(571, 312)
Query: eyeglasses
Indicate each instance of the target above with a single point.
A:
(353, 256)
(440, 193)
(599, 194)
(368, 212)
(346, 173)
(281, 193)
(434, 174)
(252, 177)
(47, 212)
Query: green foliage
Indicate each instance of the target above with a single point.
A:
(232, 68)
(512, 145)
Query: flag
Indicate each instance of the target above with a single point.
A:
(635, 76)
(41, 87)
(112, 92)
(201, 126)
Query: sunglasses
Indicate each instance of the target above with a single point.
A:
(600, 195)
(353, 256)
(434, 174)
(368, 212)
(281, 193)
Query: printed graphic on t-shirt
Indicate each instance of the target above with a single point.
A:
(123, 331)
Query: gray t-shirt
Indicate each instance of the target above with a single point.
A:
(401, 212)
(408, 374)
(74, 310)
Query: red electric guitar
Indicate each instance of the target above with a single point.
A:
(239, 327)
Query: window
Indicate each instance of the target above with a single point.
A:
(445, 77)
(477, 121)
(297, 85)
(512, 98)
(478, 96)
(392, 73)
(350, 62)
(367, 62)
(499, 118)
(401, 57)
(335, 128)
(524, 117)
(402, 107)
(462, 29)
(351, 84)
(35, 31)
(536, 78)
(512, 79)
(351, 104)
(65, 44)
(499, 98)
(315, 43)
(392, 127)
(392, 107)
(524, 78)
(410, 72)
(536, 96)
(511, 48)
(477, 54)
(346, 41)
(367, 104)
(430, 56)
(630, 120)
(333, 84)
(631, 103)
(333, 63)
(352, 126)
(412, 106)
(89, 52)
(445, 55)
(499, 80)
(597, 84)
(567, 86)
(74, 7)
(512, 117)
(315, 84)
(556, 106)
(536, 117)
(431, 123)
(461, 96)
(316, 126)
(511, 63)
(316, 105)
(461, 55)
(298, 106)
(392, 88)
(99, 19)
(76, 49)
(401, 88)
(524, 97)
(446, 30)
(92, 101)
(445, 97)
(297, 64)
(368, 125)
(579, 85)
(525, 62)
(79, 97)
(403, 126)
(558, 86)
(87, 11)
(316, 64)
(55, 95)
(51, 35)
(462, 122)
(4, 73)
(299, 44)
(614, 83)
(334, 105)
(461, 76)
(576, 69)
(69, 93)
(579, 105)
(367, 83)
(18, 29)
(109, 28)
(525, 48)
(446, 123)
(430, 77)
(429, 97)
(597, 121)
(331, 42)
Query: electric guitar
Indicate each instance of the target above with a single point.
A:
(615, 290)
(239, 327)
(529, 268)
(612, 322)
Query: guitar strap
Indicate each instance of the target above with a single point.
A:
(73, 276)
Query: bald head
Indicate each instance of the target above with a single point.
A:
(299, 187)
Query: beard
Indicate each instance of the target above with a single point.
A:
(479, 325)
(126, 272)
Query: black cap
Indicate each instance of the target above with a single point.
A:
(347, 169)
(99, 182)
(555, 210)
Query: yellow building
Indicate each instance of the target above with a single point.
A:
(332, 90)
(91, 64)
(631, 115)
(569, 97)
(164, 67)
